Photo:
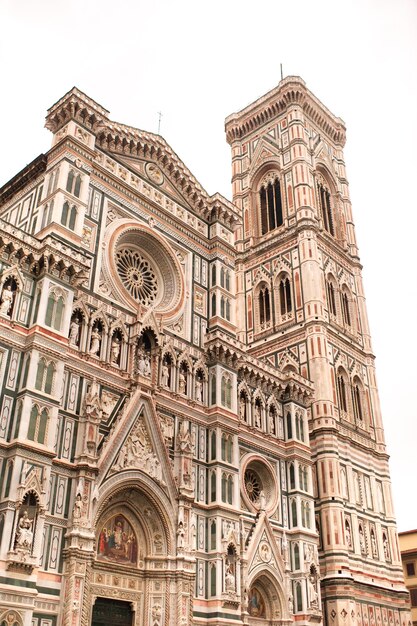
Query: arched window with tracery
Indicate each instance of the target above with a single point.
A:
(264, 306)
(331, 296)
(68, 215)
(270, 204)
(285, 306)
(325, 203)
(38, 424)
(342, 383)
(358, 407)
(55, 309)
(345, 301)
(74, 183)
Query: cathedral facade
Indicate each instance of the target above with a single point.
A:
(190, 430)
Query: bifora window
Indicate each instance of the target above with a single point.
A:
(137, 275)
(270, 205)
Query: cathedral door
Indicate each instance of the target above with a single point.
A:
(111, 612)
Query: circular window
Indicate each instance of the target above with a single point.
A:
(137, 275)
(142, 268)
(260, 488)
(253, 485)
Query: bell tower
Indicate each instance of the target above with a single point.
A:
(301, 308)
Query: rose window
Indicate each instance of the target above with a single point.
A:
(253, 485)
(137, 275)
(259, 484)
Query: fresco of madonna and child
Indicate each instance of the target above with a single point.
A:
(117, 541)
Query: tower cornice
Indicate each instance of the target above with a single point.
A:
(290, 91)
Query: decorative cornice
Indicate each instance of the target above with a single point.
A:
(23, 178)
(223, 348)
(36, 256)
(291, 90)
(115, 138)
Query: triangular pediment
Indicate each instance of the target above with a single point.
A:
(154, 176)
(266, 150)
(137, 443)
(263, 550)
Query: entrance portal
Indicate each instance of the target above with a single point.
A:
(112, 612)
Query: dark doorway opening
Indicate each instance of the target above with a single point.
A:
(108, 612)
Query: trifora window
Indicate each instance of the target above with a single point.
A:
(270, 205)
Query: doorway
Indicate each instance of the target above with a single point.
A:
(108, 612)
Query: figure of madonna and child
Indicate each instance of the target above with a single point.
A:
(117, 541)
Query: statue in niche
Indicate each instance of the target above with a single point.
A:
(257, 415)
(24, 534)
(242, 409)
(312, 591)
(348, 535)
(165, 375)
(74, 332)
(78, 508)
(144, 363)
(230, 578)
(95, 341)
(362, 540)
(182, 383)
(93, 406)
(385, 547)
(180, 536)
(199, 390)
(7, 297)
(115, 350)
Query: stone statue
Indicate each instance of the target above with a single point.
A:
(257, 416)
(144, 363)
(165, 375)
(312, 592)
(199, 390)
(115, 350)
(180, 536)
(230, 579)
(182, 383)
(95, 341)
(24, 534)
(348, 536)
(6, 300)
(242, 409)
(385, 547)
(78, 507)
(74, 333)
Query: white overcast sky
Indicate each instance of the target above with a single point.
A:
(197, 62)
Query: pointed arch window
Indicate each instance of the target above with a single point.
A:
(285, 300)
(292, 476)
(326, 207)
(54, 310)
(38, 423)
(357, 401)
(296, 556)
(45, 376)
(271, 206)
(331, 299)
(289, 426)
(345, 308)
(74, 183)
(264, 305)
(68, 215)
(341, 391)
